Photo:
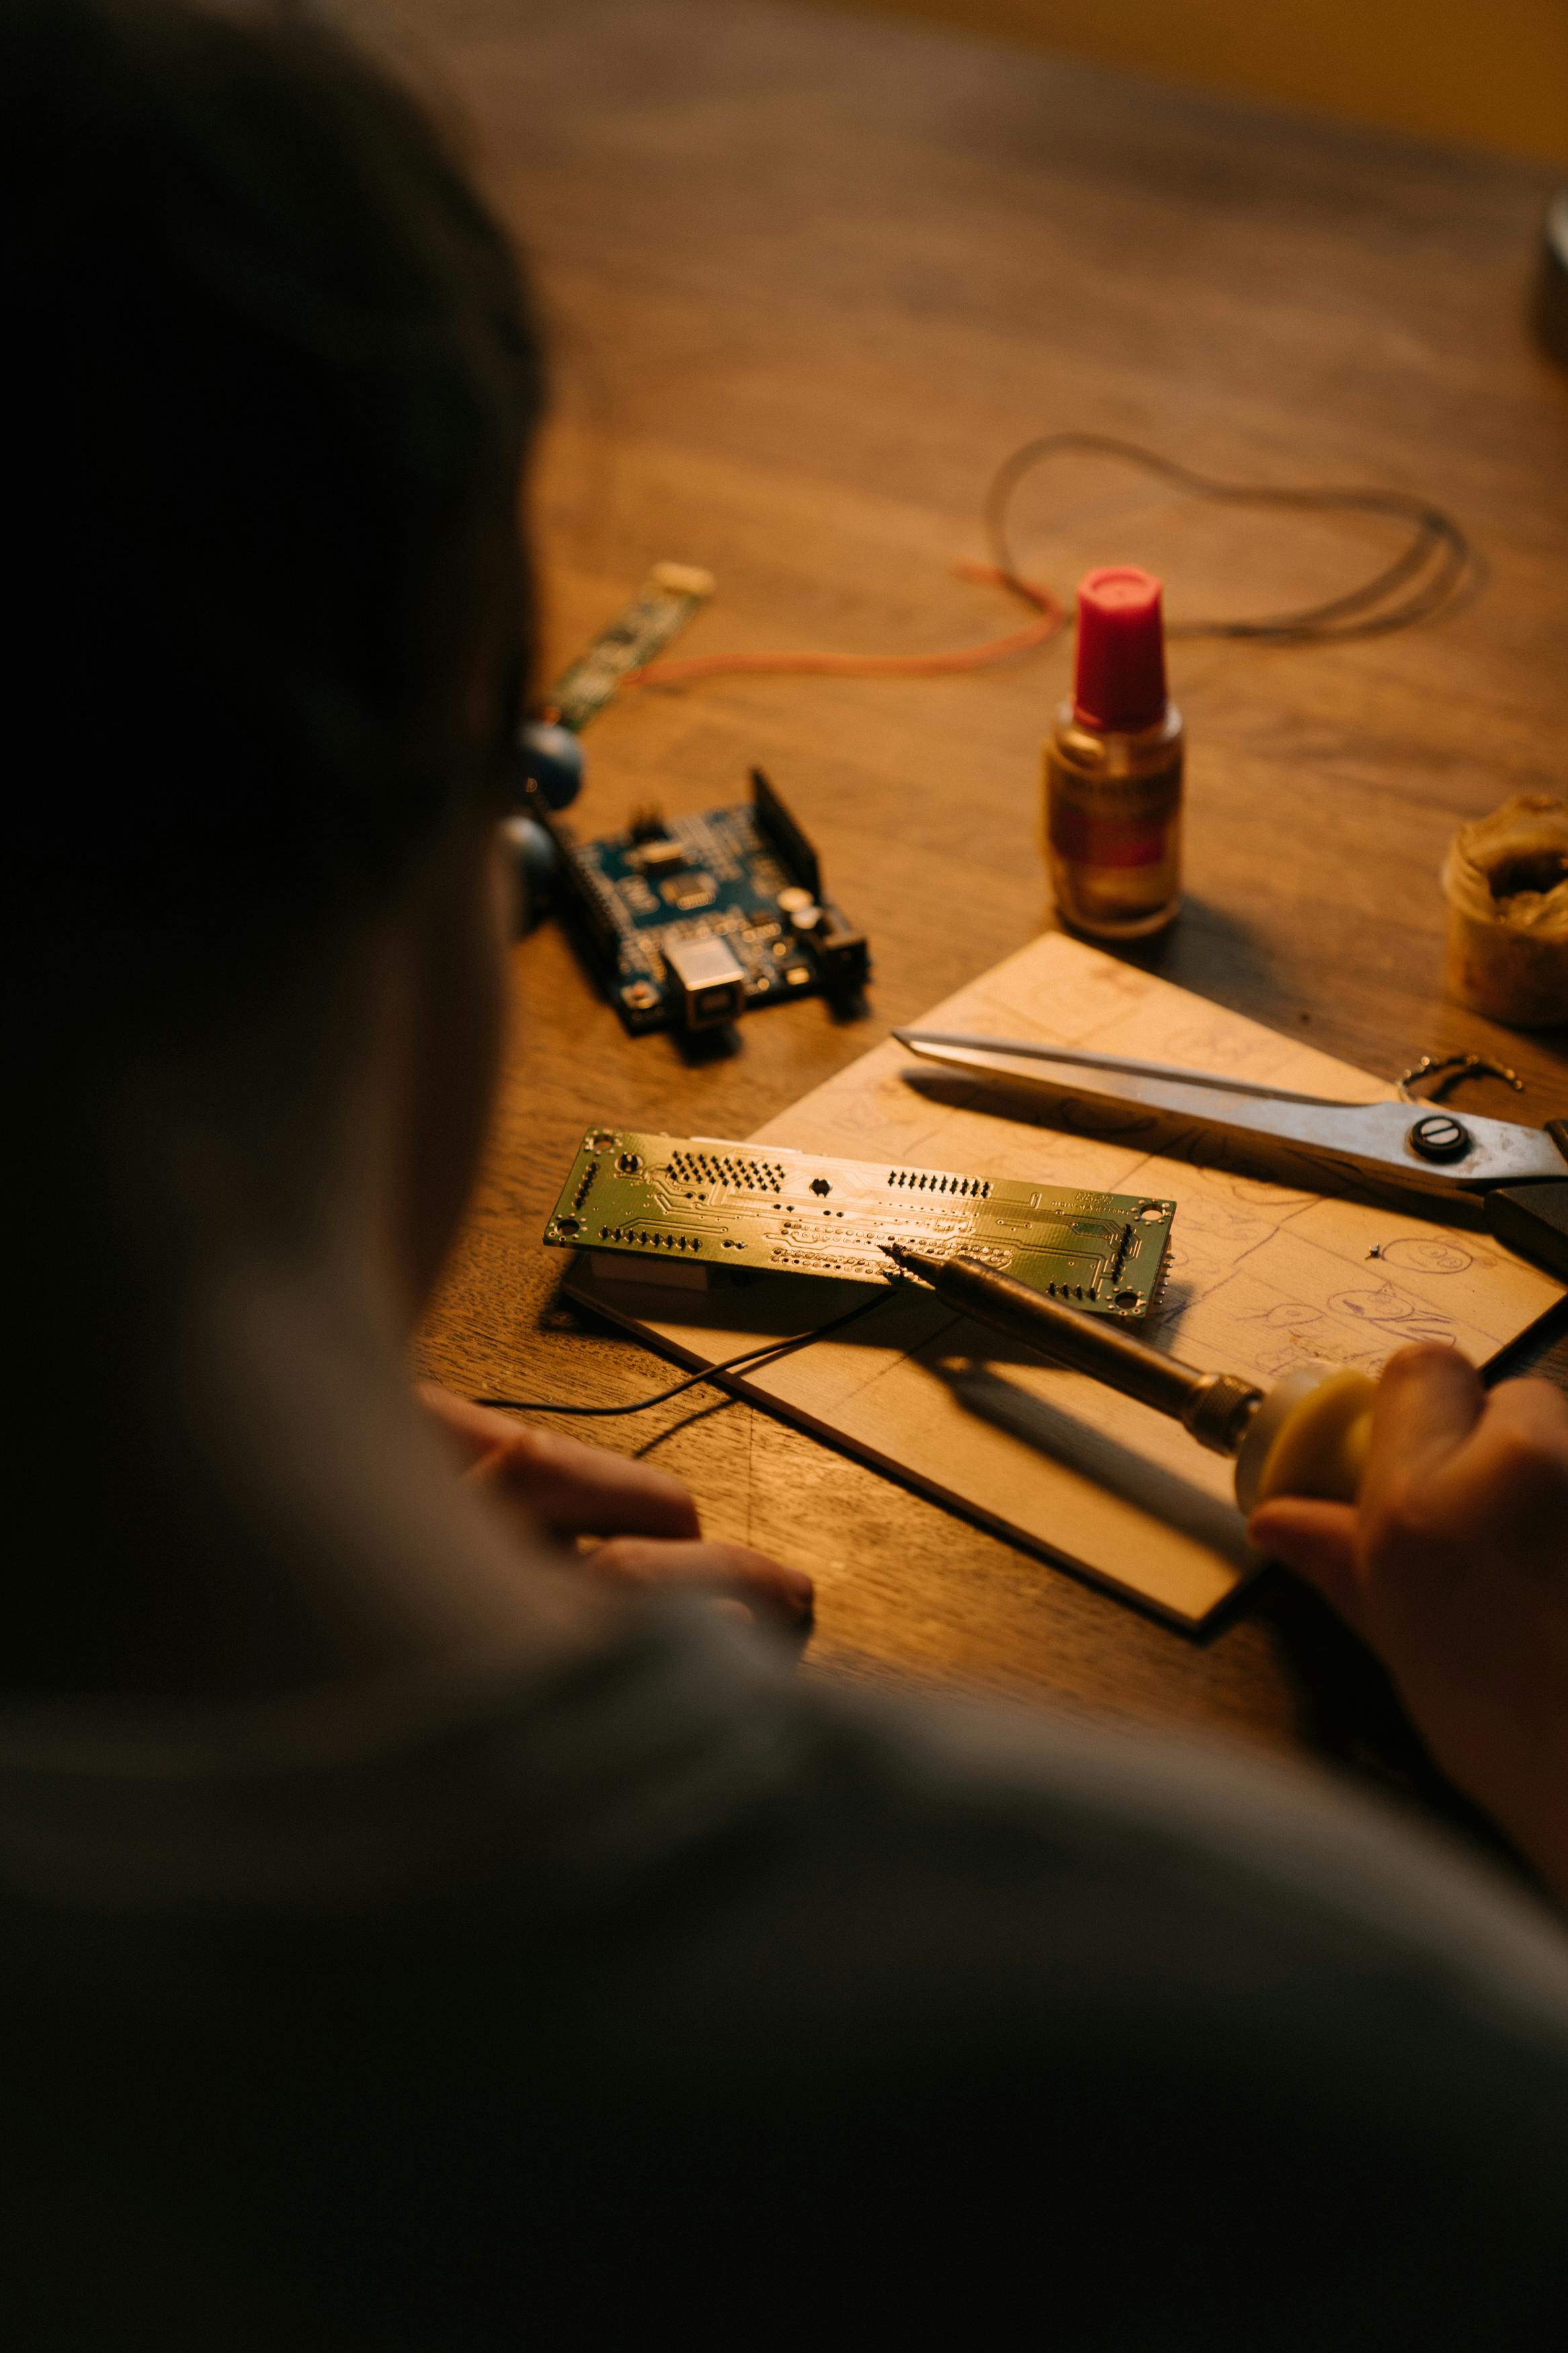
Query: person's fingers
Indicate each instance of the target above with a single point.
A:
(1318, 1541)
(473, 1429)
(1428, 1400)
(733, 1569)
(570, 1488)
(1512, 1471)
(1535, 1411)
(577, 1490)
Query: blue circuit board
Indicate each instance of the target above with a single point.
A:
(689, 921)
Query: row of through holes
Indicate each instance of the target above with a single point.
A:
(924, 1184)
(653, 1241)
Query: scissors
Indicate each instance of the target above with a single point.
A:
(1495, 1173)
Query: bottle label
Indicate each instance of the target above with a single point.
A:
(1093, 837)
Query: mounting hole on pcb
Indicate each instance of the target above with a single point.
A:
(1125, 1299)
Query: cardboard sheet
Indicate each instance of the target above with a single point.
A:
(1262, 1279)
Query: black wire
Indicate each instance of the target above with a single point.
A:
(1438, 559)
(752, 1357)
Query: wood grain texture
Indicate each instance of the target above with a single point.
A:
(809, 278)
(1496, 76)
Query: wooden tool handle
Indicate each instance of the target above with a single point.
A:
(1308, 1437)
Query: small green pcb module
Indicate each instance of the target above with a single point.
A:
(695, 1201)
(671, 596)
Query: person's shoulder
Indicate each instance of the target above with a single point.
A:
(1027, 1806)
(899, 1864)
(1005, 1995)
(670, 1977)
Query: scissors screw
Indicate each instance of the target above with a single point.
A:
(1439, 1136)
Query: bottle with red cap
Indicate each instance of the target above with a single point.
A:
(1113, 766)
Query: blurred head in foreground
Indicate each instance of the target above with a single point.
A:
(271, 384)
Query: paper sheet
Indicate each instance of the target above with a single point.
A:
(1262, 1279)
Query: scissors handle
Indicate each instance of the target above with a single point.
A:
(1533, 1219)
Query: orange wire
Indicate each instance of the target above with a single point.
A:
(686, 670)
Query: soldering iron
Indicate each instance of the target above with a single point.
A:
(1308, 1435)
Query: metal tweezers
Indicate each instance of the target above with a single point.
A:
(1493, 1172)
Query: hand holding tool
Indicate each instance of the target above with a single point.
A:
(1306, 1436)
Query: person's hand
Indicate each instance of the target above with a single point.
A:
(644, 1523)
(1454, 1567)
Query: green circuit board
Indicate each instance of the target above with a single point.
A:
(698, 1202)
(670, 598)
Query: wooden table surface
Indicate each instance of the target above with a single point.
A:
(809, 278)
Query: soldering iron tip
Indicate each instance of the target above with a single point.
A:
(911, 1261)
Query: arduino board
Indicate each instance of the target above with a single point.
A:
(688, 922)
(696, 1202)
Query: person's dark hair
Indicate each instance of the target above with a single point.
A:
(272, 375)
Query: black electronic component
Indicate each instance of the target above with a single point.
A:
(842, 956)
(659, 857)
(776, 824)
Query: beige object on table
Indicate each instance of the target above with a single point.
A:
(1506, 880)
(1262, 1279)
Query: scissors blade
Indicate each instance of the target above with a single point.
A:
(1232, 1122)
(920, 1040)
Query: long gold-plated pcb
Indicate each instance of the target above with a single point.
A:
(698, 1202)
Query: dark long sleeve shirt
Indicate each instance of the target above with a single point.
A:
(671, 1992)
